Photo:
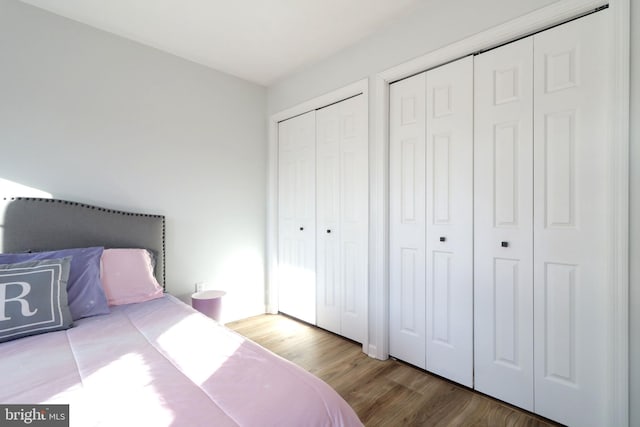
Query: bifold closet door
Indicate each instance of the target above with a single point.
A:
(572, 243)
(503, 229)
(296, 217)
(407, 189)
(542, 222)
(431, 194)
(449, 221)
(342, 217)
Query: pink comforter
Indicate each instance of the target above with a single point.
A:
(160, 363)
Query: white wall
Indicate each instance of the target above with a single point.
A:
(91, 117)
(429, 29)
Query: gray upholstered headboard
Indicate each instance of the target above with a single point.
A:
(33, 224)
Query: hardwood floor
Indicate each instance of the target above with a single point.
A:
(383, 393)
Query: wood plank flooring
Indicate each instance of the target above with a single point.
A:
(383, 393)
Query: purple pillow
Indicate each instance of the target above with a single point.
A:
(84, 289)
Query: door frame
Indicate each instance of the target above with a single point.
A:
(360, 87)
(533, 22)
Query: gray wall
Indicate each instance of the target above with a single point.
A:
(91, 117)
(634, 215)
(429, 29)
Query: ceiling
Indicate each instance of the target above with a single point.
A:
(257, 40)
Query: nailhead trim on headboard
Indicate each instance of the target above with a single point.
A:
(110, 211)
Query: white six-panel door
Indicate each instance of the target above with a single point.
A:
(542, 251)
(503, 230)
(431, 217)
(407, 188)
(342, 217)
(296, 217)
(571, 217)
(449, 221)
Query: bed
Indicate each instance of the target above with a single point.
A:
(153, 362)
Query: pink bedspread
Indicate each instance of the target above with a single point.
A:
(160, 363)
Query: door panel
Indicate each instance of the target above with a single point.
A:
(328, 215)
(296, 217)
(354, 214)
(407, 262)
(342, 233)
(449, 221)
(503, 245)
(572, 245)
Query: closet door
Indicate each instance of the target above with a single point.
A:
(571, 218)
(296, 217)
(449, 221)
(503, 245)
(407, 254)
(342, 213)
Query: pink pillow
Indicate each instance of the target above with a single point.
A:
(127, 276)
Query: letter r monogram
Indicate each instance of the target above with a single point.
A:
(24, 304)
